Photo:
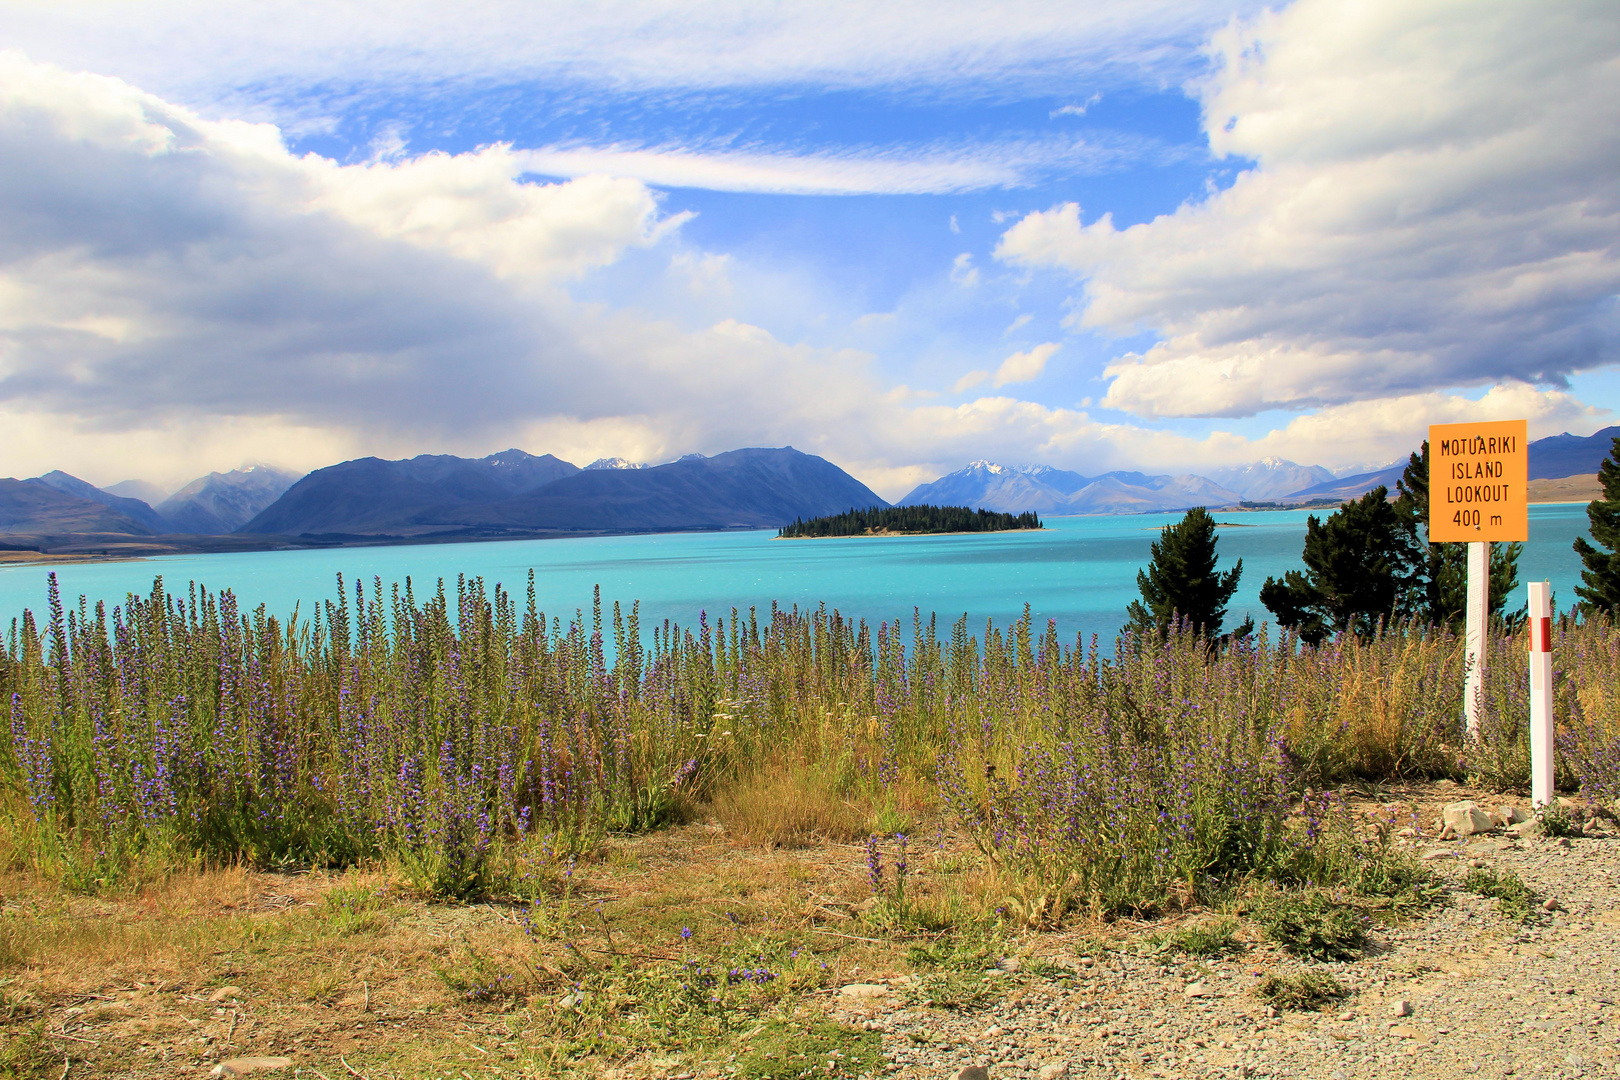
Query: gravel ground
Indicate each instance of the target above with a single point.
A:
(1486, 996)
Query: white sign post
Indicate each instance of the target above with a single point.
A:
(1541, 694)
(1479, 607)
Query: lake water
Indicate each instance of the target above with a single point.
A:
(1080, 571)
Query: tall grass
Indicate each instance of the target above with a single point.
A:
(468, 738)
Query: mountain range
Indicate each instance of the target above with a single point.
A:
(516, 494)
(513, 493)
(1016, 488)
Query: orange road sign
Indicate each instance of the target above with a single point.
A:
(1479, 479)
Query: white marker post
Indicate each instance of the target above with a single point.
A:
(1479, 608)
(1541, 694)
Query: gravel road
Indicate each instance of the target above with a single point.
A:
(1484, 996)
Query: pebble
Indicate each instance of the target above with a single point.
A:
(1455, 993)
(863, 990)
(1054, 1071)
(245, 1065)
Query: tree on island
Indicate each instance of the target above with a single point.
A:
(1600, 581)
(1362, 565)
(1181, 581)
(1444, 568)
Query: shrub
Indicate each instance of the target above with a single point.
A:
(1301, 990)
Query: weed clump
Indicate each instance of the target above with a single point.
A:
(1301, 990)
(1513, 897)
(1313, 925)
(1205, 939)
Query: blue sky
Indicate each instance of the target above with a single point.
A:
(1103, 235)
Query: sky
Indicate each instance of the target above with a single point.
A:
(904, 236)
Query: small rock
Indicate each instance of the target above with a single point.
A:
(1054, 1070)
(973, 1072)
(1466, 818)
(226, 993)
(1562, 841)
(1478, 864)
(1346, 1017)
(863, 990)
(1526, 829)
(1402, 1007)
(242, 1066)
(1437, 853)
(1549, 905)
(1404, 1031)
(1513, 814)
(571, 1001)
(1197, 990)
(1338, 1074)
(1008, 963)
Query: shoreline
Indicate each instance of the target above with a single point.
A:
(889, 534)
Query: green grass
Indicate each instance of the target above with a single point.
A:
(785, 1050)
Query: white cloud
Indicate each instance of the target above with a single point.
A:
(927, 169)
(285, 55)
(963, 272)
(970, 380)
(1025, 366)
(1433, 203)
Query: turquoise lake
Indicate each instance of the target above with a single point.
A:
(1080, 571)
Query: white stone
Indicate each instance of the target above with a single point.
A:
(1197, 990)
(1401, 1008)
(1466, 818)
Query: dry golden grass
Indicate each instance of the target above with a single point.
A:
(330, 968)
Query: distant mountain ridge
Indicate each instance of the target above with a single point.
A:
(1014, 489)
(134, 509)
(1269, 478)
(1558, 456)
(222, 503)
(447, 497)
(371, 496)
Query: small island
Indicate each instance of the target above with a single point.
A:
(908, 521)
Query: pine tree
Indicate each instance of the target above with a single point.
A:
(1181, 580)
(1364, 564)
(1600, 588)
(1444, 579)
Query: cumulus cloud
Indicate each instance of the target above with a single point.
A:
(1432, 203)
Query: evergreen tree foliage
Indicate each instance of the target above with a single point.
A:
(909, 519)
(1181, 581)
(1444, 577)
(1362, 565)
(1600, 587)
